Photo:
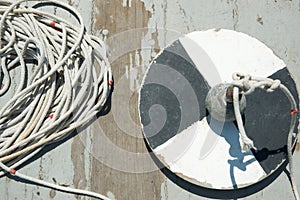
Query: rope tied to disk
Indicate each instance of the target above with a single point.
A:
(63, 80)
(246, 84)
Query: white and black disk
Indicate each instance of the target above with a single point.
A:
(180, 131)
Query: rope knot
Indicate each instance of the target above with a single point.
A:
(243, 81)
(273, 85)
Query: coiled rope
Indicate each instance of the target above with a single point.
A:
(246, 84)
(65, 80)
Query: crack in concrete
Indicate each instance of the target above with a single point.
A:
(184, 16)
(165, 21)
(235, 14)
(93, 16)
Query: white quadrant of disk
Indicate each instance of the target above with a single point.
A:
(223, 165)
(230, 52)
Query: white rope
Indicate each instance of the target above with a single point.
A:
(69, 83)
(246, 84)
(247, 143)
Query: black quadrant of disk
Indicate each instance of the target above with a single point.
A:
(182, 135)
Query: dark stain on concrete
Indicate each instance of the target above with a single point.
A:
(260, 20)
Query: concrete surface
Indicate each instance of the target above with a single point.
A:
(121, 167)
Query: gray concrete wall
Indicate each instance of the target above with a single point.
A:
(120, 167)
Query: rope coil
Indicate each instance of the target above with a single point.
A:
(65, 80)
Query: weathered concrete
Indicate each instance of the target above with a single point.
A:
(276, 23)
